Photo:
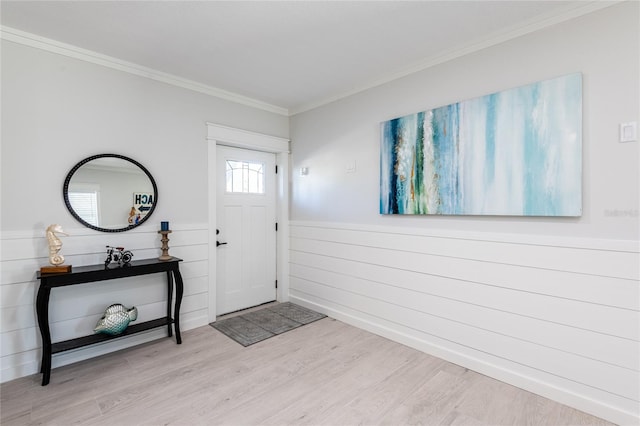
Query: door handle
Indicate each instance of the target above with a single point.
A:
(218, 244)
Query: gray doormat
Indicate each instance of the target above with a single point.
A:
(256, 326)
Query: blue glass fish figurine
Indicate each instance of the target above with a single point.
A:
(116, 318)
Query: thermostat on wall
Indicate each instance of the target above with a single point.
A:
(629, 131)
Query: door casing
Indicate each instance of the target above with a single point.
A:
(229, 136)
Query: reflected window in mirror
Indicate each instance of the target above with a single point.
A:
(85, 200)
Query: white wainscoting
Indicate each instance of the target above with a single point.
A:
(556, 316)
(75, 310)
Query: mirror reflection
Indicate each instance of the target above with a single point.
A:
(110, 193)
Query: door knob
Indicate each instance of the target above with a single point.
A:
(218, 244)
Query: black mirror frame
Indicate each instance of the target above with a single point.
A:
(65, 192)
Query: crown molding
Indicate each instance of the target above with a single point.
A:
(533, 25)
(571, 12)
(53, 46)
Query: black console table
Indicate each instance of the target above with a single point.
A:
(93, 273)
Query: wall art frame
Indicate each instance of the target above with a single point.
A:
(517, 152)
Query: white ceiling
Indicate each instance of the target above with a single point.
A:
(293, 55)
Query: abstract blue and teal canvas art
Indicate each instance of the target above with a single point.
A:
(517, 153)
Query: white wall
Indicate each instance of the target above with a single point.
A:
(603, 46)
(56, 111)
(548, 304)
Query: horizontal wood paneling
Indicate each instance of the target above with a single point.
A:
(564, 310)
(598, 262)
(480, 313)
(75, 310)
(565, 316)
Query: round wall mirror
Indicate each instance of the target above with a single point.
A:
(110, 193)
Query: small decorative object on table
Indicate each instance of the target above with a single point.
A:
(164, 231)
(55, 258)
(119, 255)
(116, 319)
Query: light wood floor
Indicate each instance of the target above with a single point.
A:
(325, 373)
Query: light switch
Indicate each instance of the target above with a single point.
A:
(629, 131)
(351, 166)
(304, 171)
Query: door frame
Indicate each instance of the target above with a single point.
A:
(223, 135)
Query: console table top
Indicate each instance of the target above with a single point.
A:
(101, 272)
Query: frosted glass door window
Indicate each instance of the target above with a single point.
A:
(245, 177)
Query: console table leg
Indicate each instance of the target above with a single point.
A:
(176, 315)
(169, 300)
(42, 311)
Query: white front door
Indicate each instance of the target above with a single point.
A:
(246, 226)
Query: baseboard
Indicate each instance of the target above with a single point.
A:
(17, 371)
(530, 384)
